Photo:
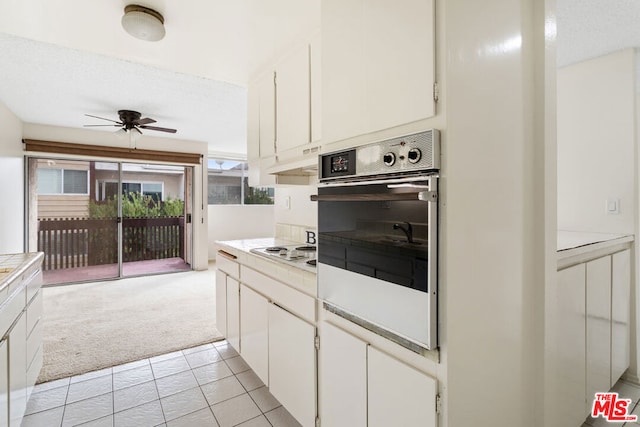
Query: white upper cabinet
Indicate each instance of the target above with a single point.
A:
(378, 65)
(293, 121)
(266, 114)
(315, 61)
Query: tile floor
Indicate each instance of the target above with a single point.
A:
(625, 390)
(209, 385)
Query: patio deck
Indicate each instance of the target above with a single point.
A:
(110, 271)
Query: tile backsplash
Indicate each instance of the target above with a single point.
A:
(296, 233)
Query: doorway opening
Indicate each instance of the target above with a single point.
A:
(97, 220)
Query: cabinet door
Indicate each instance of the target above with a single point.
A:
(399, 394)
(4, 384)
(233, 313)
(221, 302)
(293, 101)
(566, 346)
(399, 62)
(620, 313)
(267, 114)
(18, 371)
(315, 75)
(292, 364)
(598, 326)
(342, 374)
(254, 332)
(343, 62)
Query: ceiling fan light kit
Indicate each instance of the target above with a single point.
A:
(143, 23)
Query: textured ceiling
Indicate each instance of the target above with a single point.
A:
(64, 58)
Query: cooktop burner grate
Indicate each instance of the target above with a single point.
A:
(275, 249)
(306, 248)
(312, 262)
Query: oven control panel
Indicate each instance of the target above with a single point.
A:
(407, 155)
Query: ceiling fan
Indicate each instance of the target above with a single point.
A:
(132, 121)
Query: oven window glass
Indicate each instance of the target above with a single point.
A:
(377, 231)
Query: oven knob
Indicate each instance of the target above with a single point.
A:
(389, 159)
(414, 155)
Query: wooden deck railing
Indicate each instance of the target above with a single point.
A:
(81, 242)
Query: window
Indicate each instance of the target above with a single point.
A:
(63, 181)
(108, 189)
(228, 184)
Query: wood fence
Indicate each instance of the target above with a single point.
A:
(82, 242)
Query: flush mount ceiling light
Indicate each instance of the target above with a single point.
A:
(143, 23)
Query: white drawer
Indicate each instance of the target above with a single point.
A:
(11, 310)
(284, 295)
(34, 311)
(226, 264)
(34, 342)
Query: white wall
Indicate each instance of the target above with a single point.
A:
(81, 136)
(233, 222)
(294, 206)
(11, 183)
(596, 143)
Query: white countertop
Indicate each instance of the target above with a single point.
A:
(575, 239)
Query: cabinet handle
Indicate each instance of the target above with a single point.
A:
(227, 254)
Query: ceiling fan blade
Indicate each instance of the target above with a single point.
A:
(136, 129)
(90, 126)
(144, 121)
(159, 129)
(102, 118)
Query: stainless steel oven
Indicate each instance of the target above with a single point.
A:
(377, 259)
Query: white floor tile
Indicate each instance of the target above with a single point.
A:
(168, 356)
(176, 383)
(136, 395)
(47, 399)
(131, 365)
(147, 415)
(226, 351)
(249, 380)
(51, 384)
(91, 375)
(235, 411)
(215, 371)
(48, 418)
(237, 364)
(218, 391)
(132, 377)
(279, 417)
(100, 422)
(90, 388)
(203, 417)
(170, 367)
(197, 349)
(88, 410)
(260, 421)
(183, 403)
(202, 358)
(265, 400)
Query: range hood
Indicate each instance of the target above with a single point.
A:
(300, 170)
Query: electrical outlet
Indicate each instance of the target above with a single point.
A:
(613, 206)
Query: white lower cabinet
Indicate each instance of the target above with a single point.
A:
(18, 371)
(4, 384)
(598, 326)
(342, 375)
(620, 313)
(398, 394)
(362, 386)
(292, 364)
(221, 302)
(233, 312)
(254, 331)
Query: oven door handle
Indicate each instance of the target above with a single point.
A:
(425, 196)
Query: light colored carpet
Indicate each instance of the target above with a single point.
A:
(92, 326)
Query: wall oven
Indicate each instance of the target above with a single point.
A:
(377, 258)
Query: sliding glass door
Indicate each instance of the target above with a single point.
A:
(100, 220)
